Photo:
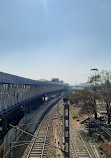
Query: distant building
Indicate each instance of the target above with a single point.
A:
(61, 81)
(55, 79)
(43, 80)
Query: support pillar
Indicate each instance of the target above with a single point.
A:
(36, 103)
(41, 100)
(4, 125)
(44, 98)
(48, 96)
(29, 108)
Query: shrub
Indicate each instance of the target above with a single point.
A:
(74, 115)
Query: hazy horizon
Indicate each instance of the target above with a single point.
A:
(44, 39)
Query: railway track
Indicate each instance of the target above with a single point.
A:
(39, 143)
(78, 147)
(25, 126)
(107, 132)
(28, 125)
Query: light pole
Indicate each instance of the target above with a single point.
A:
(95, 69)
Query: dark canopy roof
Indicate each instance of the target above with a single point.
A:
(8, 78)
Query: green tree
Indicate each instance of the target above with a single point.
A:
(105, 90)
(86, 98)
(94, 82)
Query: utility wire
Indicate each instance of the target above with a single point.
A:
(35, 137)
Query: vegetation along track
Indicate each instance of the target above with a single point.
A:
(78, 147)
(38, 145)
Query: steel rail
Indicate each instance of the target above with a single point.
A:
(81, 139)
(74, 148)
(45, 137)
(43, 148)
(106, 131)
(36, 137)
(49, 120)
(92, 147)
(25, 121)
(38, 111)
(90, 144)
(23, 131)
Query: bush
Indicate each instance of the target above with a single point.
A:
(61, 118)
(74, 115)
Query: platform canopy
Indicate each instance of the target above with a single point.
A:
(12, 79)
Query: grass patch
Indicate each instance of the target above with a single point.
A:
(61, 118)
(87, 138)
(74, 115)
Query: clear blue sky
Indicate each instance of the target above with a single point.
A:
(55, 38)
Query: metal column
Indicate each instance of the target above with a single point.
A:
(36, 104)
(29, 108)
(4, 125)
(44, 98)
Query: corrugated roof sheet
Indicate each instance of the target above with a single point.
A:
(8, 78)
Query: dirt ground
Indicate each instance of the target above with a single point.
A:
(56, 137)
(107, 149)
(56, 134)
(104, 149)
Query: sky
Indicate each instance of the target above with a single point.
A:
(44, 39)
